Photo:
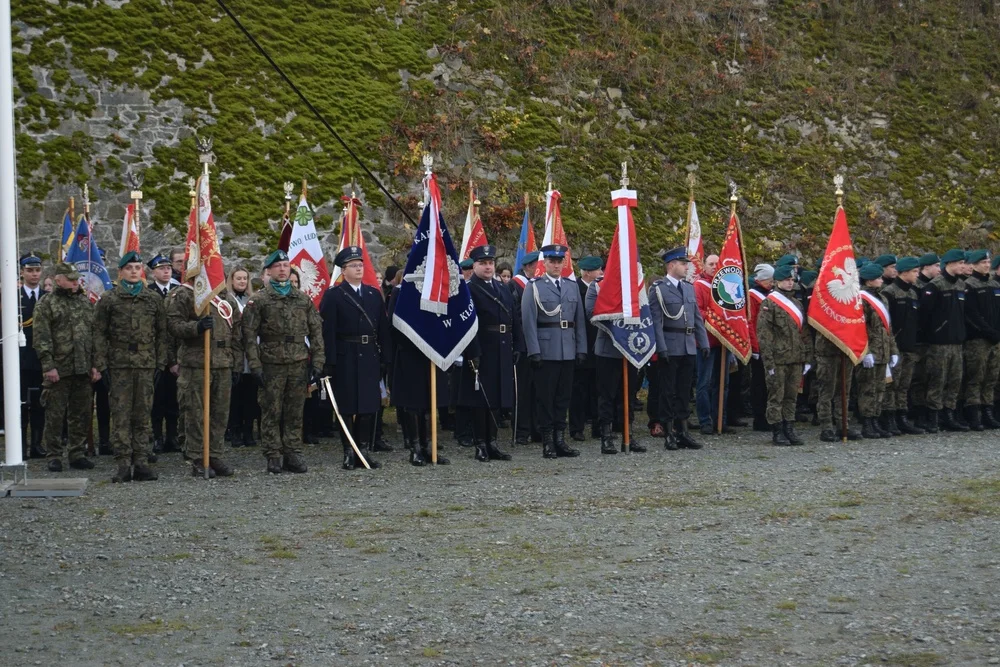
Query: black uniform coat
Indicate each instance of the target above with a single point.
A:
(29, 359)
(495, 308)
(591, 329)
(411, 372)
(358, 365)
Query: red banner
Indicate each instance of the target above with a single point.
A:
(726, 311)
(835, 307)
(555, 234)
(473, 235)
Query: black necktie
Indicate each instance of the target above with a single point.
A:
(31, 297)
(558, 287)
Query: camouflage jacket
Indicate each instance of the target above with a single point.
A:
(275, 329)
(63, 336)
(129, 331)
(226, 337)
(881, 342)
(781, 341)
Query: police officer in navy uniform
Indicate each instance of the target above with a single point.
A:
(526, 427)
(486, 380)
(556, 339)
(680, 335)
(165, 406)
(32, 411)
(357, 343)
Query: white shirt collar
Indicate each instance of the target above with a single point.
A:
(673, 281)
(162, 286)
(31, 291)
(551, 279)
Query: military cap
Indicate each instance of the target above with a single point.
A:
(928, 259)
(861, 261)
(554, 250)
(871, 271)
(590, 263)
(907, 264)
(157, 261)
(466, 264)
(483, 252)
(679, 253)
(789, 259)
(995, 263)
(953, 255)
(763, 272)
(30, 259)
(885, 260)
(277, 256)
(974, 256)
(348, 254)
(808, 277)
(68, 270)
(128, 258)
(529, 258)
(783, 272)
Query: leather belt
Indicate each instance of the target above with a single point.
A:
(683, 330)
(282, 339)
(363, 340)
(498, 328)
(562, 324)
(222, 343)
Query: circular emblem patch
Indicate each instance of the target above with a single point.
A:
(727, 288)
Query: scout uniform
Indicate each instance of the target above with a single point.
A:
(904, 313)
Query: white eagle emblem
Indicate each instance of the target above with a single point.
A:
(311, 283)
(417, 277)
(846, 286)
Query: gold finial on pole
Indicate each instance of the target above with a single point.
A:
(548, 172)
(289, 189)
(135, 181)
(191, 192)
(205, 152)
(692, 180)
(72, 209)
(305, 187)
(354, 188)
(838, 182)
(733, 197)
(625, 179)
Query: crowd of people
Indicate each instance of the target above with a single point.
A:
(537, 363)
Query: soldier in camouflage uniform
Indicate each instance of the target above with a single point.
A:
(930, 268)
(942, 314)
(982, 324)
(871, 376)
(188, 330)
(786, 351)
(904, 314)
(63, 340)
(282, 317)
(994, 361)
(130, 350)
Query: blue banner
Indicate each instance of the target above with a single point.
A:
(522, 242)
(636, 342)
(67, 235)
(86, 257)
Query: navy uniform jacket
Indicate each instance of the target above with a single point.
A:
(498, 338)
(357, 344)
(591, 329)
(558, 337)
(603, 347)
(684, 335)
(411, 371)
(29, 359)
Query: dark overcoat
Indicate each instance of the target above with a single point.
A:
(411, 372)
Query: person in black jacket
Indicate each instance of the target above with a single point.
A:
(942, 316)
(527, 418)
(904, 312)
(583, 404)
(32, 411)
(982, 321)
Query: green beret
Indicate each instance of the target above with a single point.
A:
(590, 263)
(974, 256)
(907, 264)
(953, 255)
(466, 264)
(276, 256)
(861, 261)
(995, 263)
(790, 260)
(128, 258)
(885, 260)
(782, 272)
(871, 271)
(928, 259)
(819, 263)
(808, 277)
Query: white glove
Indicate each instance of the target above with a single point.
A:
(771, 372)
(755, 355)
(868, 361)
(806, 368)
(893, 360)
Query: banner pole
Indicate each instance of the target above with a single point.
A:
(626, 435)
(434, 415)
(722, 386)
(843, 397)
(205, 399)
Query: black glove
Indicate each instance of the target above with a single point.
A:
(204, 324)
(156, 377)
(706, 352)
(581, 359)
(313, 377)
(235, 376)
(517, 357)
(329, 369)
(259, 377)
(536, 360)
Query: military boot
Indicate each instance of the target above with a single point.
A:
(608, 441)
(219, 467)
(973, 418)
(548, 446)
(989, 421)
(930, 424)
(950, 423)
(869, 430)
(778, 436)
(426, 449)
(827, 435)
(142, 472)
(350, 458)
(123, 474)
(904, 425)
(684, 439)
(669, 437)
(198, 471)
(494, 452)
(853, 433)
(634, 445)
(793, 437)
(559, 441)
(292, 463)
(481, 454)
(81, 463)
(880, 426)
(889, 422)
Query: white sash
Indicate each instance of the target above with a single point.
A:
(757, 295)
(878, 307)
(788, 306)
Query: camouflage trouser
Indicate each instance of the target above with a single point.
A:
(71, 399)
(829, 397)
(902, 379)
(131, 400)
(285, 392)
(944, 375)
(782, 390)
(918, 386)
(980, 376)
(871, 390)
(190, 395)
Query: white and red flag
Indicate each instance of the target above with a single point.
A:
(306, 254)
(473, 235)
(202, 261)
(350, 234)
(619, 295)
(695, 248)
(555, 234)
(130, 232)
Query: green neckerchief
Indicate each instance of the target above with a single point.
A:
(131, 288)
(282, 287)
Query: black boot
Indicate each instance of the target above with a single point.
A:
(635, 445)
(793, 437)
(778, 436)
(904, 425)
(494, 452)
(931, 421)
(426, 448)
(559, 441)
(973, 418)
(482, 455)
(684, 439)
(869, 430)
(607, 440)
(548, 446)
(827, 435)
(881, 426)
(853, 433)
(669, 437)
(248, 440)
(889, 417)
(292, 463)
(350, 458)
(989, 421)
(273, 466)
(949, 423)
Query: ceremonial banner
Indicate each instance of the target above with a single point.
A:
(202, 261)
(554, 233)
(835, 307)
(434, 308)
(619, 297)
(726, 311)
(526, 242)
(130, 232)
(306, 254)
(350, 234)
(473, 235)
(695, 249)
(68, 235)
(286, 232)
(86, 257)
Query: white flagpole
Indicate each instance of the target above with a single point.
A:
(8, 241)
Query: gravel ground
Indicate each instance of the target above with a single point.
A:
(876, 552)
